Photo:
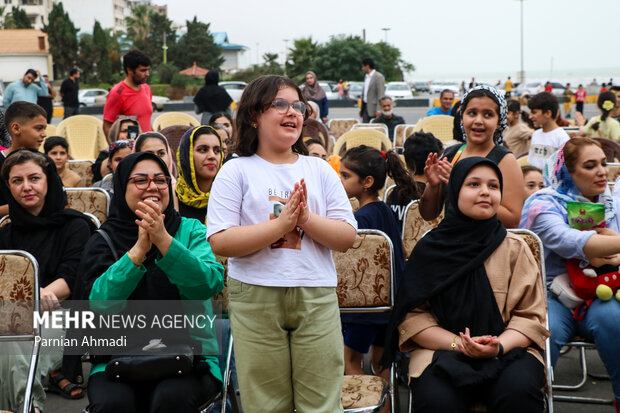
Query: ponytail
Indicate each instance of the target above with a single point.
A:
(405, 184)
(606, 103)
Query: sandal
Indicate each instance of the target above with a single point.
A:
(67, 390)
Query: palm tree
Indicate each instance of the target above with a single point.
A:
(138, 24)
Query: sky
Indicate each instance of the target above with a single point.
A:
(443, 39)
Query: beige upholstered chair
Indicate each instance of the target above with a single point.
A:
(92, 200)
(365, 285)
(387, 192)
(374, 126)
(341, 126)
(614, 171)
(439, 125)
(4, 220)
(85, 136)
(401, 132)
(414, 226)
(174, 118)
(357, 137)
(355, 205)
(19, 296)
(84, 169)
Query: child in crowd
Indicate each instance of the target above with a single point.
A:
(603, 126)
(26, 123)
(518, 135)
(316, 149)
(550, 137)
(117, 151)
(278, 214)
(532, 180)
(57, 148)
(362, 171)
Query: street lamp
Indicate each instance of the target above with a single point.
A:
(522, 73)
(285, 54)
(386, 30)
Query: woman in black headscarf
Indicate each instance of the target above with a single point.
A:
(211, 97)
(41, 225)
(470, 306)
(162, 257)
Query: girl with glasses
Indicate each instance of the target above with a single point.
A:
(278, 214)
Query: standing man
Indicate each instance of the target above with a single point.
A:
(47, 102)
(25, 90)
(374, 88)
(446, 99)
(131, 96)
(580, 98)
(69, 92)
(388, 118)
(508, 88)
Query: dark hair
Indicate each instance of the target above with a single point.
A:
(479, 93)
(217, 127)
(53, 141)
(22, 112)
(367, 61)
(31, 72)
(602, 98)
(446, 91)
(22, 156)
(572, 149)
(457, 131)
(544, 101)
(513, 105)
(256, 99)
(135, 58)
(146, 136)
(73, 71)
(417, 147)
(313, 141)
(526, 169)
(615, 88)
(366, 161)
(218, 115)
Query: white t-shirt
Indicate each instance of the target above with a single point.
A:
(544, 144)
(249, 190)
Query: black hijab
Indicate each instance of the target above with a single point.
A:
(446, 268)
(45, 235)
(212, 97)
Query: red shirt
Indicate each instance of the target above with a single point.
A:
(548, 88)
(580, 95)
(123, 100)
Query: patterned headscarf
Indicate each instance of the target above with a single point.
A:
(503, 111)
(560, 190)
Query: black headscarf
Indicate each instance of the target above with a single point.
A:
(46, 235)
(211, 97)
(446, 268)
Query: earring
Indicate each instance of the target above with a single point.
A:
(254, 125)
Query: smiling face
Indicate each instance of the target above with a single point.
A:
(590, 174)
(278, 132)
(60, 157)
(133, 195)
(480, 120)
(480, 194)
(533, 181)
(28, 185)
(207, 158)
(447, 99)
(540, 118)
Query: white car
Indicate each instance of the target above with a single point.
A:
(90, 97)
(398, 90)
(437, 87)
(234, 89)
(533, 87)
(158, 102)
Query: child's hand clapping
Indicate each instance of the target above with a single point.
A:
(290, 212)
(436, 170)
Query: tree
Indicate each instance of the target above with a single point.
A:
(197, 45)
(62, 37)
(341, 58)
(390, 62)
(100, 56)
(160, 26)
(138, 25)
(301, 58)
(269, 67)
(17, 19)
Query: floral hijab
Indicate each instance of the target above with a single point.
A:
(560, 190)
(503, 111)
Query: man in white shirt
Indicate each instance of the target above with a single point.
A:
(374, 88)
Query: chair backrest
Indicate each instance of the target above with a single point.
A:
(174, 118)
(401, 132)
(84, 169)
(439, 125)
(365, 273)
(374, 126)
(222, 296)
(414, 226)
(174, 134)
(19, 295)
(85, 136)
(92, 200)
(355, 205)
(614, 171)
(340, 126)
(387, 192)
(611, 149)
(50, 130)
(4, 220)
(368, 137)
(523, 160)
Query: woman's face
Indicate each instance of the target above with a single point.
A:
(223, 120)
(480, 120)
(533, 181)
(223, 137)
(207, 156)
(310, 79)
(480, 194)
(277, 131)
(151, 169)
(28, 185)
(155, 146)
(122, 132)
(590, 174)
(117, 157)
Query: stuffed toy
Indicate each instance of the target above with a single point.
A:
(601, 282)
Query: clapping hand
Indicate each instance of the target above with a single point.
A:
(437, 170)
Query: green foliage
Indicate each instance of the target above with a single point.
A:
(17, 19)
(146, 31)
(341, 58)
(62, 37)
(166, 71)
(390, 62)
(100, 56)
(269, 67)
(197, 45)
(301, 57)
(138, 25)
(179, 80)
(159, 89)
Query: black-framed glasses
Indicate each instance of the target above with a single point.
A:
(282, 105)
(142, 182)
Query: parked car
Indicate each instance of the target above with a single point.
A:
(421, 87)
(158, 102)
(90, 97)
(234, 89)
(437, 87)
(532, 87)
(398, 90)
(356, 89)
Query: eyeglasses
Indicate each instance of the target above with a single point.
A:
(142, 182)
(282, 106)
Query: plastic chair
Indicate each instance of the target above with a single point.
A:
(341, 126)
(95, 201)
(366, 289)
(414, 226)
(401, 132)
(439, 125)
(84, 169)
(387, 192)
(375, 126)
(368, 137)
(174, 118)
(50, 130)
(85, 136)
(19, 271)
(614, 171)
(611, 149)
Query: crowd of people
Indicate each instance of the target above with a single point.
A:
(470, 306)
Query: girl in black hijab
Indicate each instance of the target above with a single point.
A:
(470, 306)
(211, 97)
(162, 257)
